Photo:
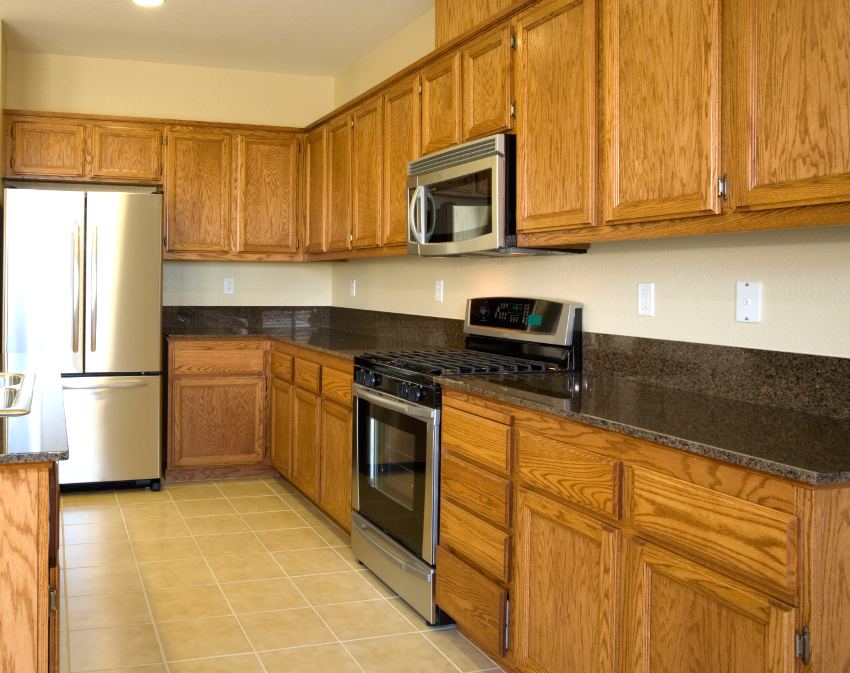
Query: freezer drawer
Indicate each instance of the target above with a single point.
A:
(113, 428)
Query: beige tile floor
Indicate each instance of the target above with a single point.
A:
(231, 576)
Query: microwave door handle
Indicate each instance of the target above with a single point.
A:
(432, 219)
(411, 214)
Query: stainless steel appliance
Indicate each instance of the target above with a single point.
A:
(395, 489)
(82, 290)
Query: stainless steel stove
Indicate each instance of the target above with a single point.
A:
(395, 490)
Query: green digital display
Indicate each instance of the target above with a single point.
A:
(535, 320)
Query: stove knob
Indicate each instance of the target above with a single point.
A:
(360, 377)
(416, 394)
(402, 390)
(373, 379)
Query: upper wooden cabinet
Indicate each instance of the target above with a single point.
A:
(556, 76)
(486, 76)
(456, 17)
(47, 149)
(126, 152)
(197, 190)
(367, 167)
(441, 104)
(662, 109)
(792, 103)
(402, 126)
(340, 154)
(315, 190)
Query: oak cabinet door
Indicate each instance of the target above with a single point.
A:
(336, 463)
(662, 109)
(125, 152)
(197, 190)
(340, 156)
(486, 72)
(217, 421)
(305, 442)
(556, 76)
(680, 616)
(793, 107)
(456, 17)
(441, 104)
(368, 174)
(315, 188)
(402, 127)
(281, 426)
(566, 575)
(48, 149)
(266, 193)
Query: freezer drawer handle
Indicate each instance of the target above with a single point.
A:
(94, 290)
(136, 383)
(75, 283)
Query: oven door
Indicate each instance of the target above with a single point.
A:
(396, 468)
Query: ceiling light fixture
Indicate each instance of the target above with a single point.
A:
(148, 3)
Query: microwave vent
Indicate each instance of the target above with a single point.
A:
(455, 156)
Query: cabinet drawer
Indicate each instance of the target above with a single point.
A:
(739, 535)
(281, 366)
(475, 438)
(218, 361)
(485, 494)
(582, 477)
(473, 601)
(307, 375)
(336, 386)
(474, 539)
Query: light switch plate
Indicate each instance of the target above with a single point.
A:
(646, 299)
(352, 288)
(748, 301)
(438, 291)
(229, 286)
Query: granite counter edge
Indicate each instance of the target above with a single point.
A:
(342, 354)
(33, 457)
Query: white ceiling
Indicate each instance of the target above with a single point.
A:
(311, 37)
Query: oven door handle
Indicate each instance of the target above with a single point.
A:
(381, 546)
(387, 402)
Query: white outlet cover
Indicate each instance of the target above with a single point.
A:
(352, 288)
(646, 299)
(229, 286)
(748, 301)
(438, 291)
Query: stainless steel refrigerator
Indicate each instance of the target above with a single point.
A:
(82, 290)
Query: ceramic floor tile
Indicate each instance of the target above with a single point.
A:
(154, 510)
(460, 651)
(311, 561)
(197, 602)
(241, 663)
(94, 499)
(297, 501)
(205, 507)
(182, 573)
(143, 495)
(153, 668)
(273, 520)
(101, 611)
(237, 489)
(364, 620)
(229, 544)
(285, 628)
(97, 649)
(313, 659)
(98, 554)
(280, 487)
(297, 538)
(415, 619)
(151, 529)
(94, 532)
(166, 549)
(349, 556)
(64, 659)
(314, 518)
(263, 503)
(384, 590)
(216, 525)
(344, 587)
(399, 654)
(194, 492)
(241, 568)
(262, 595)
(197, 638)
(102, 580)
(334, 536)
(78, 515)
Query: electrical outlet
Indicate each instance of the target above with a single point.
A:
(438, 291)
(646, 299)
(352, 287)
(748, 301)
(229, 286)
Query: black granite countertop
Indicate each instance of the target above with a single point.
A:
(39, 435)
(798, 446)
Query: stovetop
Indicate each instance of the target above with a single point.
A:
(454, 362)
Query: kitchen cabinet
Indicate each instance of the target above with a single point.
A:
(305, 442)
(441, 104)
(126, 152)
(662, 115)
(367, 167)
(336, 462)
(216, 405)
(47, 148)
(556, 82)
(315, 190)
(453, 18)
(792, 140)
(280, 432)
(486, 77)
(401, 142)
(340, 156)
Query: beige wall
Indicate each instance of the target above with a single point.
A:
(408, 45)
(113, 87)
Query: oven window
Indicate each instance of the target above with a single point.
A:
(394, 471)
(462, 208)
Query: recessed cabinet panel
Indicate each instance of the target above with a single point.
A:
(48, 149)
(126, 153)
(368, 169)
(305, 442)
(315, 187)
(340, 158)
(280, 455)
(402, 126)
(441, 104)
(336, 463)
(487, 84)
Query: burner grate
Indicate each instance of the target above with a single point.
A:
(437, 363)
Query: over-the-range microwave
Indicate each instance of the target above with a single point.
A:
(461, 201)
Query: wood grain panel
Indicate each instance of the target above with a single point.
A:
(340, 159)
(453, 18)
(662, 109)
(125, 152)
(477, 604)
(486, 77)
(305, 442)
(308, 375)
(336, 386)
(475, 540)
(567, 574)
(556, 82)
(402, 131)
(679, 616)
(477, 490)
(315, 188)
(584, 478)
(280, 426)
(479, 406)
(793, 112)
(441, 104)
(476, 438)
(336, 462)
(197, 190)
(221, 360)
(266, 193)
(367, 174)
(747, 539)
(281, 366)
(48, 148)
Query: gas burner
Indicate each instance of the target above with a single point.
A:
(456, 362)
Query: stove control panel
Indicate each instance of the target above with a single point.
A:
(426, 394)
(524, 319)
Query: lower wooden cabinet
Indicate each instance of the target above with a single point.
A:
(335, 450)
(305, 442)
(280, 440)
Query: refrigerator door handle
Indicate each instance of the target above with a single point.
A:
(75, 283)
(93, 289)
(68, 384)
